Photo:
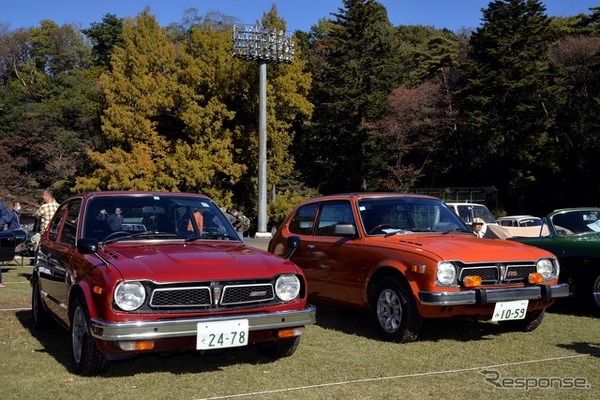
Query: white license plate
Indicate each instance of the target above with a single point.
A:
(222, 334)
(510, 310)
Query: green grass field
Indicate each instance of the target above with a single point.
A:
(340, 357)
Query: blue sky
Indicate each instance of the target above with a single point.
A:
(299, 14)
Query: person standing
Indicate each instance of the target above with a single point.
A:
(15, 216)
(45, 213)
(4, 217)
(479, 227)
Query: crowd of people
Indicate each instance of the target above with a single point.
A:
(12, 219)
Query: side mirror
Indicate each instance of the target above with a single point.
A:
(293, 242)
(87, 246)
(344, 230)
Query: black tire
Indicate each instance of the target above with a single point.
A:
(280, 348)
(531, 321)
(87, 359)
(592, 291)
(393, 310)
(39, 313)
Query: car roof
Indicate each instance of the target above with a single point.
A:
(517, 217)
(366, 195)
(133, 193)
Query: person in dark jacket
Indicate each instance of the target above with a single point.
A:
(4, 217)
(14, 216)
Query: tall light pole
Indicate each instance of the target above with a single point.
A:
(263, 45)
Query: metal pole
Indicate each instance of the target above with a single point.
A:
(256, 43)
(262, 151)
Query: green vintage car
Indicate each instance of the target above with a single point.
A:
(573, 235)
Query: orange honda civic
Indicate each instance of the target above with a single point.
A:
(402, 258)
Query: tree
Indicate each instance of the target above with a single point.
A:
(508, 101)
(411, 133)
(353, 73)
(105, 36)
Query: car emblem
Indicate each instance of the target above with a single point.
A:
(258, 293)
(502, 271)
(217, 290)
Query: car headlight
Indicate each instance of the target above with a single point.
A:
(446, 274)
(287, 287)
(130, 296)
(545, 266)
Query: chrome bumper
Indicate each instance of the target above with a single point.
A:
(487, 296)
(163, 329)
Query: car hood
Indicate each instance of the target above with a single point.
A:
(468, 248)
(194, 261)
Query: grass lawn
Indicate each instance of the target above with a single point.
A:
(340, 357)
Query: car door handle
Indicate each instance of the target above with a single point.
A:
(310, 246)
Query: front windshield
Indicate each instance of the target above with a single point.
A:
(164, 216)
(381, 216)
(576, 222)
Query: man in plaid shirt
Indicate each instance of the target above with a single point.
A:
(45, 212)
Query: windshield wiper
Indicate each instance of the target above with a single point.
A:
(145, 234)
(213, 235)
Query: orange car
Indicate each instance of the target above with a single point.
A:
(402, 258)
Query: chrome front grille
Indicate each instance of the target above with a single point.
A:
(210, 295)
(500, 273)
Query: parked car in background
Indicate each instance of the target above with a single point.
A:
(12, 243)
(573, 235)
(401, 258)
(469, 211)
(135, 272)
(519, 220)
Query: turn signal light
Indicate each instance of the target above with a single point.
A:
(472, 281)
(289, 332)
(419, 269)
(535, 277)
(97, 290)
(136, 346)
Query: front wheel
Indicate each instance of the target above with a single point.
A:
(87, 359)
(594, 295)
(394, 312)
(532, 320)
(38, 312)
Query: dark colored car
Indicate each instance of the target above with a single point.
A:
(402, 258)
(136, 272)
(13, 242)
(573, 235)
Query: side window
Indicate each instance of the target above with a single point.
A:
(303, 221)
(69, 231)
(333, 214)
(55, 225)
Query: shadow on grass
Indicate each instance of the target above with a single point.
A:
(55, 341)
(591, 349)
(575, 306)
(458, 329)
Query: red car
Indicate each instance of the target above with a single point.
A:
(402, 258)
(136, 272)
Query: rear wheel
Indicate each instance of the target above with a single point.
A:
(532, 320)
(87, 359)
(393, 310)
(279, 348)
